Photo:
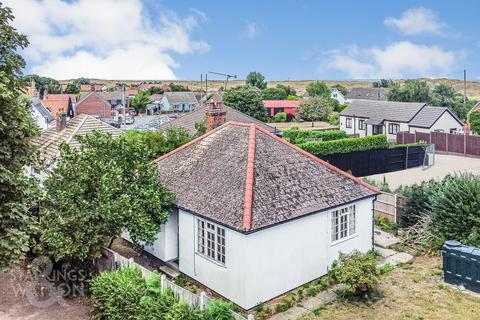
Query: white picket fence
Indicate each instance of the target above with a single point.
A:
(200, 300)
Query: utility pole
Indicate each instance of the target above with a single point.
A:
(464, 88)
(124, 107)
(201, 88)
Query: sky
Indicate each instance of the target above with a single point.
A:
(283, 39)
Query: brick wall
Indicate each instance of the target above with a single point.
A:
(95, 106)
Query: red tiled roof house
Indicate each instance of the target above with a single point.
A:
(251, 229)
(275, 106)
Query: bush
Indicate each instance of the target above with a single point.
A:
(333, 118)
(116, 295)
(345, 145)
(183, 311)
(474, 120)
(156, 304)
(218, 310)
(296, 136)
(417, 201)
(357, 271)
(456, 209)
(280, 117)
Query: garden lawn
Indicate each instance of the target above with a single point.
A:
(413, 291)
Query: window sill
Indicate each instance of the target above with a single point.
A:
(211, 260)
(334, 243)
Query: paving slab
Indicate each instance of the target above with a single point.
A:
(399, 257)
(384, 239)
(384, 253)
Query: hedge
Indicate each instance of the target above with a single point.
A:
(296, 136)
(345, 145)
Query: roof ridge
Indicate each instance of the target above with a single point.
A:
(323, 162)
(249, 179)
(69, 139)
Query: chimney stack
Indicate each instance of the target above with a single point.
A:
(61, 121)
(215, 115)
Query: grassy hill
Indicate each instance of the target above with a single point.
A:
(473, 87)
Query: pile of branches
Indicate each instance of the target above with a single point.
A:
(419, 236)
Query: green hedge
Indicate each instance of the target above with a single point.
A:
(296, 136)
(345, 145)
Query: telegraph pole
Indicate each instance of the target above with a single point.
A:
(124, 107)
(464, 88)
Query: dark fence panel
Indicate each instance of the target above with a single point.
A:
(439, 139)
(473, 145)
(422, 136)
(456, 143)
(461, 265)
(365, 163)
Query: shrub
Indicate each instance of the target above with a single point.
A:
(218, 310)
(296, 136)
(280, 117)
(116, 295)
(357, 271)
(456, 209)
(156, 304)
(333, 118)
(183, 311)
(475, 122)
(345, 145)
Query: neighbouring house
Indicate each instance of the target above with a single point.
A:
(95, 105)
(42, 117)
(368, 117)
(57, 103)
(115, 98)
(337, 95)
(288, 106)
(179, 101)
(379, 94)
(199, 115)
(131, 92)
(255, 216)
(93, 87)
(155, 104)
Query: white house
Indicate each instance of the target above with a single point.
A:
(178, 101)
(42, 117)
(337, 95)
(255, 217)
(369, 117)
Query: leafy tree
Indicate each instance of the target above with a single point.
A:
(140, 101)
(445, 95)
(16, 128)
(155, 90)
(333, 119)
(159, 143)
(318, 88)
(45, 83)
(316, 108)
(273, 94)
(475, 122)
(383, 83)
(246, 99)
(417, 201)
(289, 91)
(256, 79)
(280, 117)
(410, 91)
(72, 88)
(343, 90)
(456, 209)
(177, 87)
(95, 192)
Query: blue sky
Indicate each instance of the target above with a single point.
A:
(289, 39)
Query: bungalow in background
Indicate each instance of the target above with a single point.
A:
(179, 101)
(379, 94)
(288, 106)
(337, 95)
(155, 104)
(42, 117)
(95, 105)
(250, 228)
(368, 117)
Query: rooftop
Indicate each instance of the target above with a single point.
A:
(181, 97)
(281, 103)
(37, 104)
(378, 111)
(368, 94)
(429, 115)
(228, 176)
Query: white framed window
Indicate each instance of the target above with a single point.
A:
(343, 222)
(348, 122)
(211, 241)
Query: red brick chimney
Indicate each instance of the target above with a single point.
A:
(61, 121)
(215, 115)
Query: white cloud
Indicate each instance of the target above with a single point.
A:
(398, 60)
(109, 39)
(417, 21)
(250, 30)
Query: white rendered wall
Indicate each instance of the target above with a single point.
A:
(445, 123)
(267, 263)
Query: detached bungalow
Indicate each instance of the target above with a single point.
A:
(369, 117)
(250, 228)
(275, 106)
(179, 101)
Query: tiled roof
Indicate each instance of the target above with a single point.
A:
(61, 96)
(37, 104)
(368, 94)
(49, 141)
(181, 97)
(281, 103)
(429, 115)
(228, 176)
(109, 95)
(188, 120)
(156, 97)
(378, 111)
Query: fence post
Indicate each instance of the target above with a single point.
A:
(203, 302)
(250, 317)
(464, 144)
(163, 278)
(446, 142)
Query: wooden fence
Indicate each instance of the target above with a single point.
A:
(388, 206)
(117, 261)
(460, 144)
